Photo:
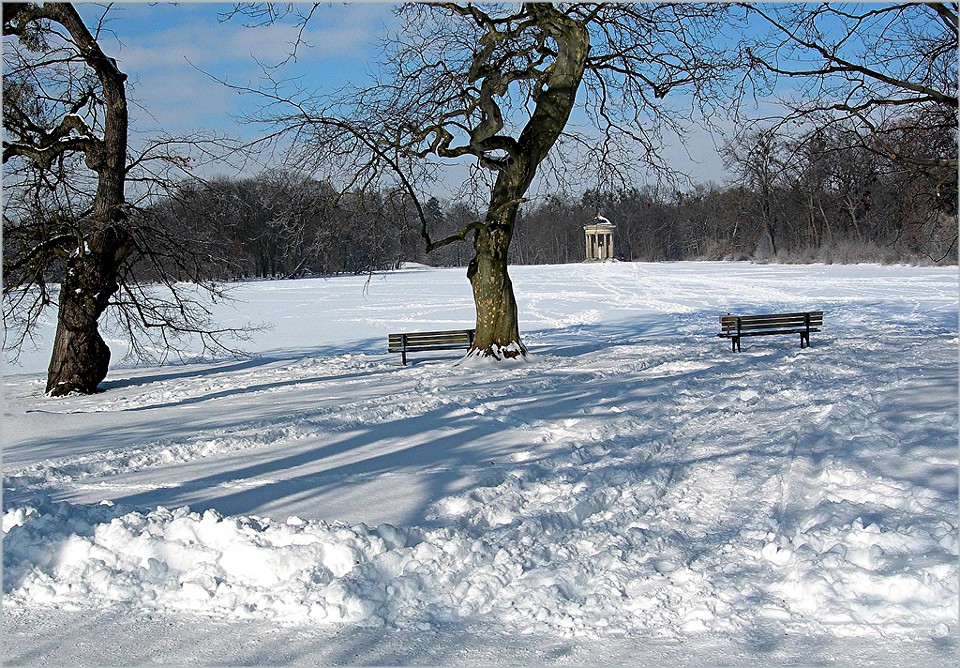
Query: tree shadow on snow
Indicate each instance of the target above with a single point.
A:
(128, 377)
(464, 443)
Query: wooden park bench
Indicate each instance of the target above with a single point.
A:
(735, 327)
(409, 342)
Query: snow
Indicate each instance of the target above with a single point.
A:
(632, 492)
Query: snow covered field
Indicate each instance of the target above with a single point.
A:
(634, 493)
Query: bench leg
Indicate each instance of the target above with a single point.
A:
(403, 357)
(804, 340)
(735, 343)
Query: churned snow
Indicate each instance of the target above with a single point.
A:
(634, 492)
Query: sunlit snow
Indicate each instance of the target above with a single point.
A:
(633, 482)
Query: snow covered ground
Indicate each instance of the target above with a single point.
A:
(634, 493)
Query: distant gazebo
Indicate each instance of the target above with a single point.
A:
(599, 238)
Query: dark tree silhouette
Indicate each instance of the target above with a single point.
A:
(67, 218)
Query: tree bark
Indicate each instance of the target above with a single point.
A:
(497, 327)
(80, 356)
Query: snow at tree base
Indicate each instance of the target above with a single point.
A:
(633, 485)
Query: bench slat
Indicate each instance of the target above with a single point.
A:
(768, 333)
(774, 315)
(428, 342)
(782, 325)
(429, 339)
(731, 320)
(413, 349)
(770, 319)
(448, 331)
(428, 336)
(775, 321)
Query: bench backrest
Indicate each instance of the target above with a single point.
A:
(427, 339)
(771, 322)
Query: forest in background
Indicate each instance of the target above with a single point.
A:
(816, 198)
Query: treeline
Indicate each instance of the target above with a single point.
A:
(823, 197)
(280, 224)
(814, 200)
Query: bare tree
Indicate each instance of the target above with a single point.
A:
(885, 70)
(496, 85)
(761, 161)
(45, 131)
(884, 79)
(67, 219)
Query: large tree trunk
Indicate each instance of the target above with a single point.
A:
(80, 357)
(498, 331)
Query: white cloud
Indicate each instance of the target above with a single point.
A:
(163, 49)
(180, 101)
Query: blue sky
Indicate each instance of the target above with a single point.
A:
(170, 52)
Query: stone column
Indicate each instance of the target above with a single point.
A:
(598, 242)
